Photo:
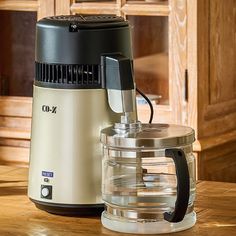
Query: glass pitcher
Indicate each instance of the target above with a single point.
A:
(148, 182)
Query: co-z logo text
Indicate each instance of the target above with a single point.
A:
(51, 109)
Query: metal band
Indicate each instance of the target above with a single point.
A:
(125, 153)
(140, 214)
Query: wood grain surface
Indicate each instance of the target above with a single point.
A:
(215, 207)
(15, 106)
(119, 7)
(216, 67)
(17, 5)
(222, 31)
(62, 7)
(178, 60)
(46, 8)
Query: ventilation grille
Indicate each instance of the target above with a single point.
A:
(88, 21)
(79, 75)
(88, 18)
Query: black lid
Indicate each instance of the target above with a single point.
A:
(81, 39)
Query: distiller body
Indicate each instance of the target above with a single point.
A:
(70, 108)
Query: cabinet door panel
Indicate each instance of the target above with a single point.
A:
(222, 47)
(216, 43)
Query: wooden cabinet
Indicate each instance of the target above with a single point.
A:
(17, 36)
(212, 86)
(184, 58)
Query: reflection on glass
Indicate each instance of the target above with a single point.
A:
(150, 46)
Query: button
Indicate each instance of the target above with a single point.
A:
(46, 180)
(45, 192)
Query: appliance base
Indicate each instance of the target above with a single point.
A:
(159, 227)
(70, 209)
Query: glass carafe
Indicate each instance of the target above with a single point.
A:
(148, 183)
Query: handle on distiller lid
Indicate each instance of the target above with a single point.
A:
(183, 185)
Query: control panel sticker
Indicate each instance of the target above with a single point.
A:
(47, 174)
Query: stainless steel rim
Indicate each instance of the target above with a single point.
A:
(153, 136)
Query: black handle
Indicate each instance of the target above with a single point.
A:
(117, 72)
(183, 185)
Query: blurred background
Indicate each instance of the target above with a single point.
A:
(184, 60)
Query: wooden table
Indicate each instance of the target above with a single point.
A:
(215, 207)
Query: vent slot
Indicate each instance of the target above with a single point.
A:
(79, 75)
(87, 18)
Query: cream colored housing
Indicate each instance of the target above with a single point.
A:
(67, 144)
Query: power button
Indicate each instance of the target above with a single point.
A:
(46, 191)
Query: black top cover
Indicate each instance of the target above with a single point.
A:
(69, 48)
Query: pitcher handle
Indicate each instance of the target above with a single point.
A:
(183, 185)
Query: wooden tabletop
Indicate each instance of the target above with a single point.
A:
(215, 207)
